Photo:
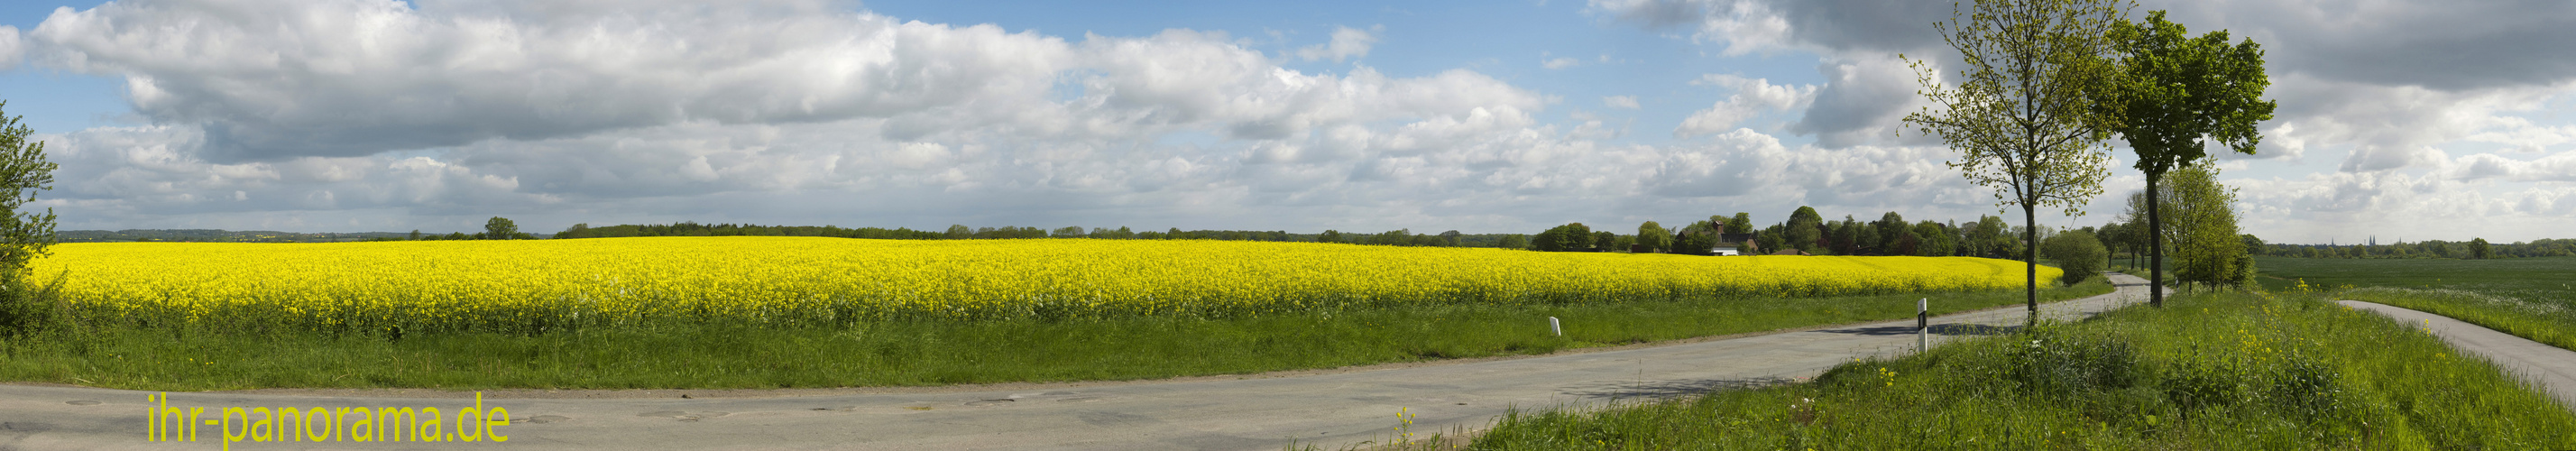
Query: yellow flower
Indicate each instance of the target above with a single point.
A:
(543, 285)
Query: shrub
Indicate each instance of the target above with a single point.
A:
(2077, 252)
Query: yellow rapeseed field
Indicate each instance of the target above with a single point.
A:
(537, 286)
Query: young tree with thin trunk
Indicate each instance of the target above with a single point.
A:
(2021, 114)
(2173, 91)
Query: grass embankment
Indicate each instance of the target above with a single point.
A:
(922, 352)
(2225, 370)
(2534, 298)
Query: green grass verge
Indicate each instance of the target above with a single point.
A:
(2209, 371)
(2539, 279)
(922, 353)
(2534, 298)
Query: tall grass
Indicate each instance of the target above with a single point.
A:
(2534, 298)
(2550, 323)
(2209, 371)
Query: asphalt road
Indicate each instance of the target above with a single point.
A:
(2552, 368)
(1254, 412)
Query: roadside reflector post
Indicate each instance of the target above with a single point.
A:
(1553, 327)
(1923, 325)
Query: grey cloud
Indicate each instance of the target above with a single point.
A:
(159, 170)
(2441, 45)
(2387, 79)
(1867, 89)
(340, 78)
(1656, 13)
(1861, 103)
(1883, 26)
(344, 78)
(1748, 165)
(2557, 167)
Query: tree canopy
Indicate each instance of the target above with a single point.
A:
(1653, 236)
(2207, 248)
(24, 235)
(2172, 92)
(2021, 113)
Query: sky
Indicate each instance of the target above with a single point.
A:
(2403, 120)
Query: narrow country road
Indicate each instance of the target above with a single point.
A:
(2551, 368)
(1253, 413)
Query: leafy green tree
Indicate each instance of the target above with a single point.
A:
(2202, 227)
(1860, 238)
(959, 232)
(1512, 241)
(1653, 236)
(2477, 248)
(2021, 114)
(1936, 241)
(1741, 223)
(2173, 91)
(1605, 240)
(415, 233)
(24, 235)
(1806, 229)
(2078, 252)
(1891, 229)
(1449, 238)
(500, 228)
(1987, 238)
(1329, 236)
(2110, 236)
(1697, 238)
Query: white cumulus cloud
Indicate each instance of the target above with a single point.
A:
(1347, 43)
(10, 49)
(1753, 97)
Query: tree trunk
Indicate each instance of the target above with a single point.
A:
(2156, 246)
(2030, 258)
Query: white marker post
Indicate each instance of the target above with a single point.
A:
(1553, 327)
(1923, 325)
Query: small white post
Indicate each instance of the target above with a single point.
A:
(1923, 325)
(1553, 327)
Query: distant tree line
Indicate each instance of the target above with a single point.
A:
(1805, 231)
(584, 230)
(2477, 248)
(1399, 237)
(498, 228)
(216, 236)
